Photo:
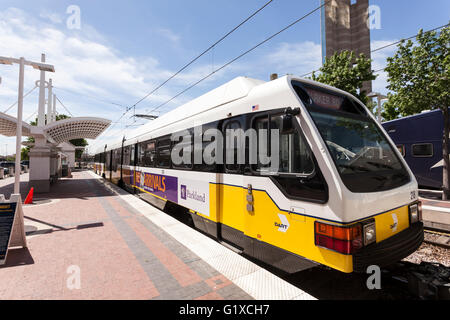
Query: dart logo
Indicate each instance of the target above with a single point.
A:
(395, 224)
(284, 225)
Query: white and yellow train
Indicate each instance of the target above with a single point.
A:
(342, 195)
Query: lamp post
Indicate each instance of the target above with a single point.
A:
(22, 63)
(380, 97)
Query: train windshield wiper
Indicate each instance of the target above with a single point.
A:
(354, 168)
(380, 165)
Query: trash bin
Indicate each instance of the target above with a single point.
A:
(64, 170)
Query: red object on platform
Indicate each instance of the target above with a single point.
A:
(29, 198)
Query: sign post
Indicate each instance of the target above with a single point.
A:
(12, 227)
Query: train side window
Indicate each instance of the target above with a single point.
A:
(422, 150)
(401, 149)
(126, 155)
(295, 156)
(115, 159)
(231, 156)
(185, 150)
(298, 176)
(132, 154)
(149, 153)
(163, 152)
(140, 154)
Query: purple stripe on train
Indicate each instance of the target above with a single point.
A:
(162, 186)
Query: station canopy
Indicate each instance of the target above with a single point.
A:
(59, 131)
(75, 128)
(8, 126)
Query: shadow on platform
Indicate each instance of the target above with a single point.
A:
(18, 257)
(62, 189)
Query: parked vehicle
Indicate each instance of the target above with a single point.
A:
(419, 140)
(9, 164)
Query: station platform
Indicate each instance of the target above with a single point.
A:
(436, 214)
(88, 239)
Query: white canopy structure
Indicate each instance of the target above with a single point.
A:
(75, 128)
(8, 126)
(59, 131)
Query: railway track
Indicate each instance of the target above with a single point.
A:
(437, 237)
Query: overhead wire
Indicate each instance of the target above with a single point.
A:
(190, 63)
(240, 56)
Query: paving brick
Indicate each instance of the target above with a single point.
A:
(120, 253)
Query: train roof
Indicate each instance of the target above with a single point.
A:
(226, 93)
(423, 114)
(232, 91)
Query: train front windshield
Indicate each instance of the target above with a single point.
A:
(364, 158)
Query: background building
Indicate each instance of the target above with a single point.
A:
(345, 27)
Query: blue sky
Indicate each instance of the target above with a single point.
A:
(126, 48)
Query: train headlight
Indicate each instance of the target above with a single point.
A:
(415, 213)
(370, 233)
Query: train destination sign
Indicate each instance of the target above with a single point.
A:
(7, 214)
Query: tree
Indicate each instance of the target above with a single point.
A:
(347, 72)
(418, 76)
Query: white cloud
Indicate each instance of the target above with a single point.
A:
(85, 64)
(379, 62)
(168, 34)
(53, 17)
(295, 58)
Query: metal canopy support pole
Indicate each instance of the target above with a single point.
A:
(50, 102)
(54, 108)
(19, 127)
(41, 107)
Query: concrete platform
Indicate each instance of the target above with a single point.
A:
(92, 240)
(436, 214)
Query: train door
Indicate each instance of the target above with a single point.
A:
(289, 177)
(231, 192)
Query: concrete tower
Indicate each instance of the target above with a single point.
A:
(345, 27)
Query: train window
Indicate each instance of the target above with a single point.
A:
(132, 154)
(108, 160)
(184, 151)
(295, 157)
(163, 152)
(148, 153)
(140, 154)
(231, 147)
(115, 159)
(401, 149)
(126, 155)
(422, 150)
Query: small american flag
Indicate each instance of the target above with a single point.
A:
(255, 108)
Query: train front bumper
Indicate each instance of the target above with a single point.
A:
(390, 250)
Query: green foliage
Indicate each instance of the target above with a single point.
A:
(418, 75)
(347, 72)
(24, 154)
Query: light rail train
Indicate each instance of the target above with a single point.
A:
(341, 196)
